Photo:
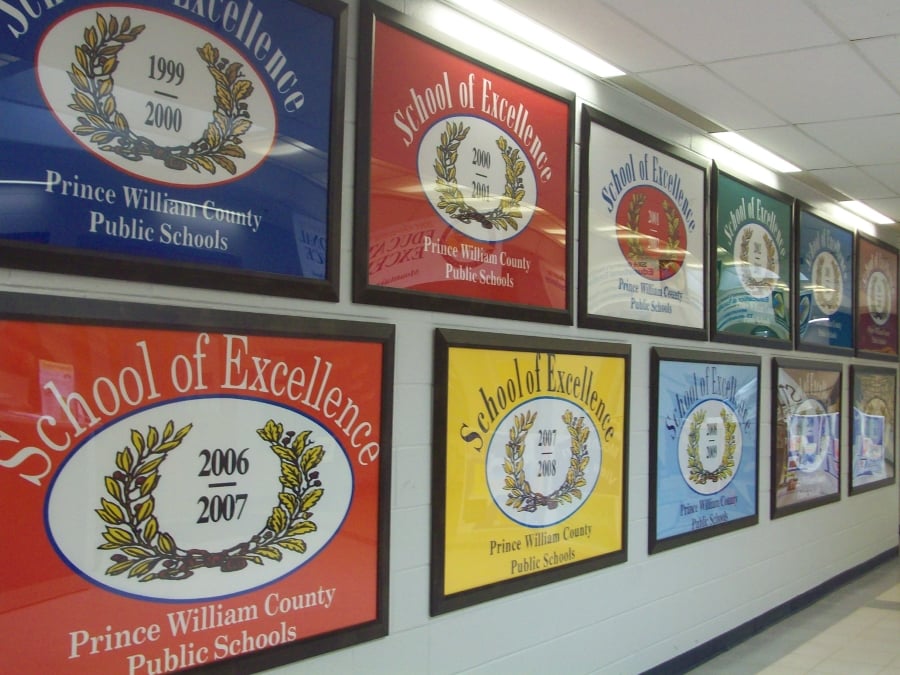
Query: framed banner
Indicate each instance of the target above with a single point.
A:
(876, 299)
(529, 473)
(823, 307)
(753, 254)
(806, 435)
(704, 451)
(642, 253)
(191, 488)
(175, 142)
(463, 193)
(874, 432)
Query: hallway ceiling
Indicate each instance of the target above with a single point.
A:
(814, 81)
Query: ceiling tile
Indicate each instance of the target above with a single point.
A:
(887, 174)
(812, 85)
(700, 90)
(712, 30)
(862, 19)
(605, 32)
(853, 183)
(795, 146)
(884, 55)
(875, 140)
(889, 207)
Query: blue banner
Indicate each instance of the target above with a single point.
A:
(178, 131)
(706, 446)
(825, 297)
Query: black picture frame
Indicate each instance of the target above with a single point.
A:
(750, 303)
(807, 435)
(256, 222)
(873, 395)
(52, 318)
(825, 284)
(642, 291)
(422, 245)
(480, 509)
(877, 332)
(692, 501)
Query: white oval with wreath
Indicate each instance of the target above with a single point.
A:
(827, 283)
(879, 297)
(477, 178)
(199, 498)
(710, 446)
(543, 461)
(156, 96)
(756, 258)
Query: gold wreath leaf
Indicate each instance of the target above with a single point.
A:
(272, 431)
(278, 520)
(290, 470)
(291, 482)
(300, 441)
(269, 552)
(116, 535)
(311, 498)
(135, 551)
(208, 53)
(218, 76)
(213, 134)
(108, 65)
(168, 430)
(83, 103)
(118, 568)
(145, 510)
(168, 445)
(205, 163)
(149, 484)
(113, 25)
(166, 543)
(90, 37)
(311, 458)
(184, 431)
(147, 467)
(242, 89)
(107, 517)
(101, 24)
(288, 501)
(141, 568)
(112, 509)
(304, 527)
(82, 58)
(78, 78)
(283, 452)
(296, 545)
(225, 163)
(102, 137)
(151, 528)
(233, 71)
(82, 130)
(223, 98)
(124, 460)
(152, 437)
(126, 24)
(233, 151)
(113, 488)
(509, 483)
(137, 440)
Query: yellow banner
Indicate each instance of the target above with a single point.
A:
(535, 462)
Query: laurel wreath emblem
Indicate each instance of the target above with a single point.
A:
(452, 201)
(146, 552)
(92, 75)
(670, 249)
(698, 474)
(747, 275)
(520, 494)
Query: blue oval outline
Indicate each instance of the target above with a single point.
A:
(135, 596)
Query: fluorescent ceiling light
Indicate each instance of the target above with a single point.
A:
(866, 212)
(755, 152)
(511, 22)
